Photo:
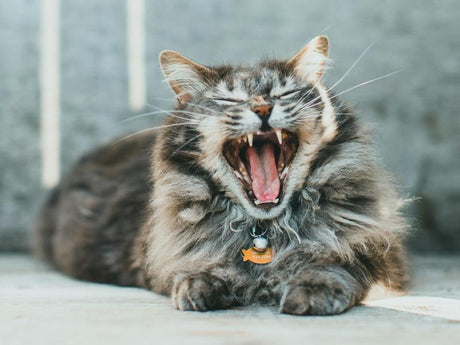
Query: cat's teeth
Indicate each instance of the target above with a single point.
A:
(250, 139)
(259, 132)
(238, 174)
(284, 172)
(279, 135)
(258, 202)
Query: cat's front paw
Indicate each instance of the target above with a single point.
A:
(201, 292)
(319, 293)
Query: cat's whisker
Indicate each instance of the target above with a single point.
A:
(138, 116)
(187, 142)
(302, 106)
(351, 67)
(180, 111)
(205, 108)
(311, 104)
(344, 114)
(193, 113)
(162, 99)
(339, 80)
(169, 112)
(306, 106)
(190, 103)
(216, 131)
(151, 129)
(307, 94)
(357, 86)
(324, 30)
(367, 82)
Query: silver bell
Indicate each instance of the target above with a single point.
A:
(260, 243)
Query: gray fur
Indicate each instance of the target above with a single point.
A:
(337, 230)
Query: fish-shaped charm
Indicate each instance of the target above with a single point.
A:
(257, 257)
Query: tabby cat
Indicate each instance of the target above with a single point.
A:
(261, 155)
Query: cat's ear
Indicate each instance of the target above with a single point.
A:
(186, 77)
(310, 62)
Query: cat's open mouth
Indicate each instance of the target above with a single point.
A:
(261, 162)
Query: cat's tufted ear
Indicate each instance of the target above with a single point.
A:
(310, 62)
(186, 77)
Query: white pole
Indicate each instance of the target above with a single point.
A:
(50, 92)
(135, 10)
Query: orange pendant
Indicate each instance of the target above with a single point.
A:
(257, 257)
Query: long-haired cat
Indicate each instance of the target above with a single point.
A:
(261, 187)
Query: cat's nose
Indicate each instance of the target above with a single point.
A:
(263, 109)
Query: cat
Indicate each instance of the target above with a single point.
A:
(261, 155)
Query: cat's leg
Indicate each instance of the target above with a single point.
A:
(200, 292)
(322, 290)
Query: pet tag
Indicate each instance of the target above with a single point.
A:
(257, 257)
(260, 253)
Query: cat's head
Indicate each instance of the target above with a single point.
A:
(254, 129)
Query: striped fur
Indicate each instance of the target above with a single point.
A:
(178, 227)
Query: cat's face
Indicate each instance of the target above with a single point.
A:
(255, 129)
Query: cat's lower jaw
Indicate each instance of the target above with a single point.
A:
(323, 290)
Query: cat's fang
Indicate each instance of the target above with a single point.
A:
(279, 135)
(250, 139)
(284, 173)
(259, 161)
(238, 174)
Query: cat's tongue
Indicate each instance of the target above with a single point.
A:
(265, 179)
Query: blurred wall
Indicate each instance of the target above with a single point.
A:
(414, 113)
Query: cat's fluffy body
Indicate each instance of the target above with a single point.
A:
(178, 228)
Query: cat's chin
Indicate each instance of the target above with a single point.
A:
(264, 213)
(261, 162)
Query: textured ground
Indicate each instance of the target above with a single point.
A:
(40, 306)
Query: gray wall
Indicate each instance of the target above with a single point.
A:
(414, 113)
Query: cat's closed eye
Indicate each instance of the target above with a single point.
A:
(227, 101)
(288, 94)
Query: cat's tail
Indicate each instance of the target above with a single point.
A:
(45, 227)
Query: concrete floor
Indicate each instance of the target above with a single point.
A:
(40, 306)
